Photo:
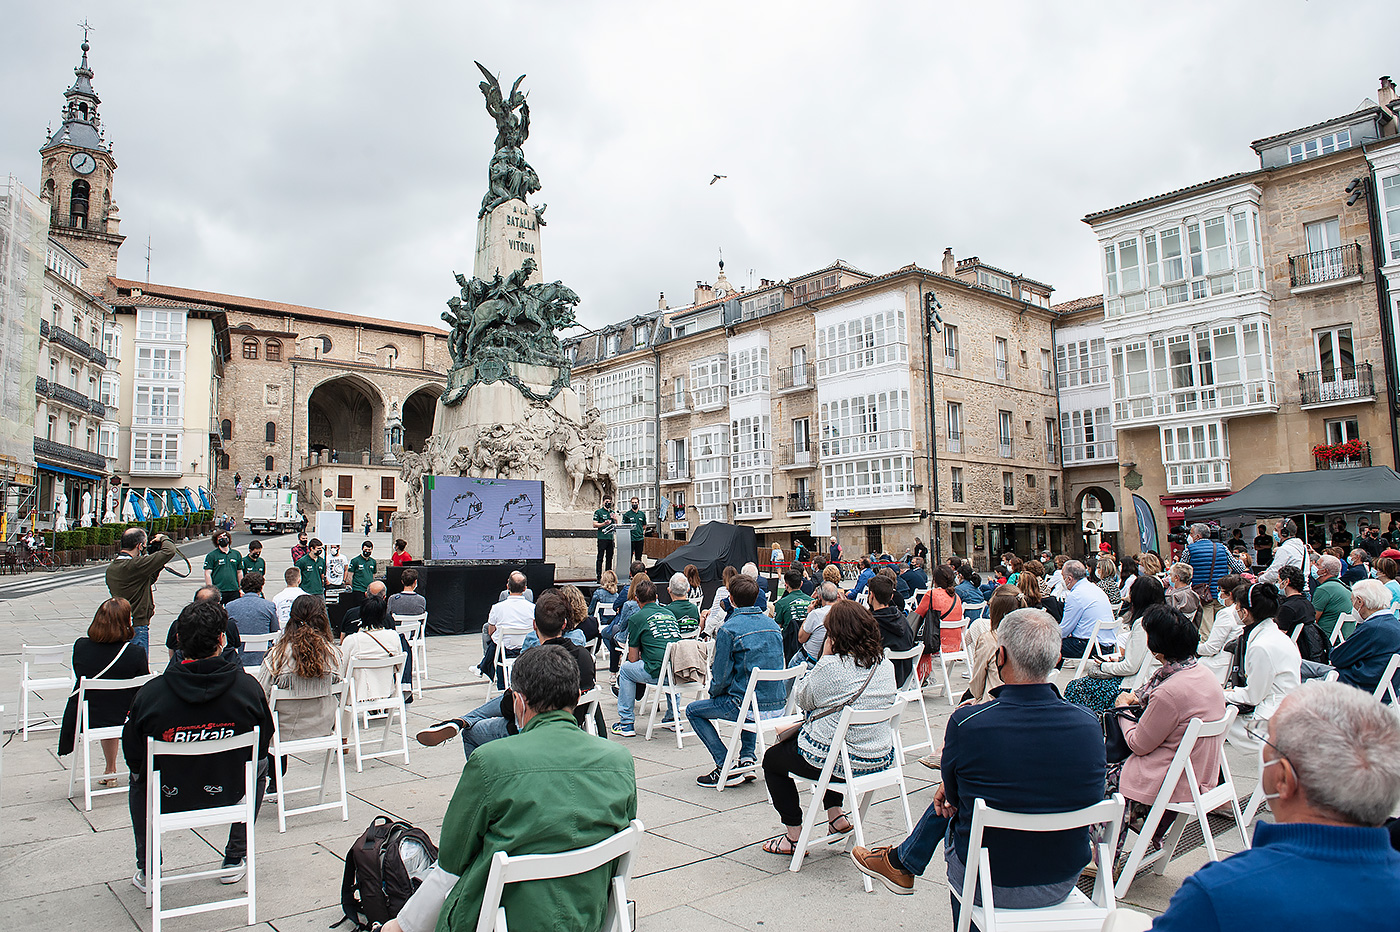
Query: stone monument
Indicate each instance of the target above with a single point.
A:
(508, 410)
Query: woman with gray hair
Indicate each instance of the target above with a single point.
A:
(1181, 596)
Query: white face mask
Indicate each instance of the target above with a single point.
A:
(1262, 765)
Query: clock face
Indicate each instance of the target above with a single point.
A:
(82, 163)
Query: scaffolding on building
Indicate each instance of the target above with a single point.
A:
(24, 230)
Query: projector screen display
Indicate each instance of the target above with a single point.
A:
(484, 519)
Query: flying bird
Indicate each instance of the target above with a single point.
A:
(717, 178)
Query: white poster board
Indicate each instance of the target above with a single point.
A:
(821, 524)
(1110, 521)
(328, 529)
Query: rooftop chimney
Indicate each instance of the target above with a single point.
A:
(950, 264)
(661, 302)
(1387, 92)
(704, 293)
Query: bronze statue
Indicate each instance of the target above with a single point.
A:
(509, 176)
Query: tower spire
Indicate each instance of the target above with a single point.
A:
(81, 124)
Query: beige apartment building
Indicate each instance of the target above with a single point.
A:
(1247, 326)
(769, 406)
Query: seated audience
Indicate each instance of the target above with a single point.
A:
(813, 632)
(1181, 689)
(108, 652)
(749, 640)
(686, 612)
(409, 602)
(1356, 568)
(506, 626)
(305, 661)
(1099, 690)
(1266, 666)
(1181, 596)
(1361, 659)
(1215, 651)
(1331, 773)
(284, 599)
(1386, 570)
(985, 675)
(1086, 605)
(1296, 612)
(942, 604)
(582, 627)
(374, 640)
(1027, 750)
(1036, 594)
(713, 617)
(650, 629)
(605, 593)
(791, 610)
(697, 588)
(517, 796)
(914, 578)
(969, 585)
(867, 572)
(203, 698)
(852, 672)
(1106, 571)
(233, 643)
(1331, 598)
(252, 613)
(894, 630)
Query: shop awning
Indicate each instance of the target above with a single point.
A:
(1316, 491)
(46, 467)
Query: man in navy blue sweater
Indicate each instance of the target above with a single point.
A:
(1331, 768)
(1025, 750)
(1362, 659)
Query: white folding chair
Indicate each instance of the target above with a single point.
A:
(86, 735)
(1200, 806)
(388, 706)
(414, 629)
(1385, 688)
(31, 656)
(749, 720)
(1094, 648)
(973, 611)
(588, 704)
(947, 657)
(256, 645)
(912, 691)
(330, 743)
(857, 790)
(915, 598)
(666, 687)
(519, 868)
(1077, 912)
(159, 823)
(1338, 637)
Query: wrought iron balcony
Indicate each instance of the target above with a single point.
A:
(43, 328)
(1326, 265)
(97, 408)
(52, 450)
(68, 396)
(791, 456)
(41, 386)
(97, 356)
(1350, 455)
(801, 501)
(797, 378)
(1347, 383)
(69, 341)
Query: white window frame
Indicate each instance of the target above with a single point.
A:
(999, 351)
(953, 417)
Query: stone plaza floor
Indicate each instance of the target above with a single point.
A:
(699, 867)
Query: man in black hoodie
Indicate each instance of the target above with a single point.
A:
(894, 630)
(204, 697)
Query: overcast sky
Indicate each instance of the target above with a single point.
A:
(334, 154)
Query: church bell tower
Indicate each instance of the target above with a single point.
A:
(76, 179)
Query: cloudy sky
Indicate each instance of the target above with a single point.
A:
(334, 154)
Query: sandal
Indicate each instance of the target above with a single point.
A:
(840, 832)
(775, 845)
(109, 780)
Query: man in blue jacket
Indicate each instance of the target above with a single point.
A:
(1362, 659)
(747, 640)
(1331, 771)
(1208, 558)
(1027, 750)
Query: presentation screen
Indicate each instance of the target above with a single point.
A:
(500, 520)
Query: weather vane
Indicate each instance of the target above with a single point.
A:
(86, 27)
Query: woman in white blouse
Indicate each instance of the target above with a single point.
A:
(1225, 629)
(373, 641)
(1271, 663)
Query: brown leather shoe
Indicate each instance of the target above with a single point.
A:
(875, 862)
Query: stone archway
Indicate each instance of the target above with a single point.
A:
(345, 414)
(419, 409)
(1090, 505)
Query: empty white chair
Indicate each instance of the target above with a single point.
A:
(331, 744)
(751, 721)
(667, 686)
(948, 657)
(857, 790)
(159, 823)
(912, 691)
(1094, 648)
(389, 706)
(1077, 912)
(30, 684)
(414, 629)
(1200, 805)
(505, 869)
(1385, 688)
(973, 611)
(588, 708)
(254, 646)
(86, 735)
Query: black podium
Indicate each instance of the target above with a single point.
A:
(460, 596)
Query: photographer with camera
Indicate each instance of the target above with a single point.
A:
(131, 575)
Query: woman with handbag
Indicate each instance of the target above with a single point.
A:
(107, 652)
(941, 603)
(1179, 691)
(852, 671)
(1100, 689)
(1267, 664)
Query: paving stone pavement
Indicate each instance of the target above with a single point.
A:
(699, 867)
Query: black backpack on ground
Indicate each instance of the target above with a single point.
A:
(376, 872)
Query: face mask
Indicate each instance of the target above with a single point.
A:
(1267, 763)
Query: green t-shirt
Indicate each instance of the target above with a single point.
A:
(313, 575)
(224, 569)
(791, 610)
(362, 570)
(252, 564)
(638, 520)
(687, 615)
(650, 630)
(1332, 599)
(605, 515)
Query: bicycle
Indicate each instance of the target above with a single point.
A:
(36, 558)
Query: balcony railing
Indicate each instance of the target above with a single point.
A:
(801, 501)
(950, 358)
(1351, 455)
(797, 378)
(41, 386)
(676, 470)
(710, 399)
(957, 492)
(69, 341)
(1347, 383)
(1256, 395)
(1325, 265)
(955, 443)
(97, 408)
(791, 456)
(68, 396)
(1004, 448)
(53, 450)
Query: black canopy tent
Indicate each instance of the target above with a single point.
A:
(1317, 492)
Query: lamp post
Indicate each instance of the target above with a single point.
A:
(933, 323)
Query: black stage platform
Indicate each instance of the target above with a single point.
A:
(460, 596)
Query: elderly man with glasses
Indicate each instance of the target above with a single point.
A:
(1362, 659)
(1330, 767)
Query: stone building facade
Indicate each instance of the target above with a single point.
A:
(1246, 326)
(770, 405)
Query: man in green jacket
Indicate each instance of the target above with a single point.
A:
(313, 569)
(131, 575)
(638, 519)
(551, 788)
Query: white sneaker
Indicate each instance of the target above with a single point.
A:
(234, 871)
(139, 880)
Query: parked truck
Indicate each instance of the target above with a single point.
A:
(273, 511)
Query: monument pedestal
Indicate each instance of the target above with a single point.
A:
(505, 238)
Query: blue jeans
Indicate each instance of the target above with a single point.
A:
(917, 850)
(143, 638)
(702, 711)
(628, 677)
(482, 724)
